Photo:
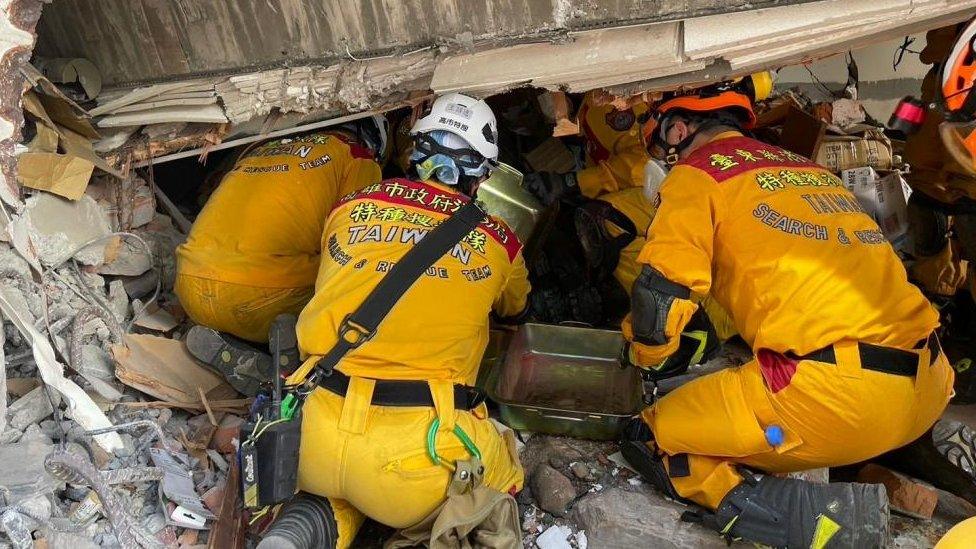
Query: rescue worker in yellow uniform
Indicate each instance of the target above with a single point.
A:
(254, 250)
(846, 365)
(380, 434)
(615, 154)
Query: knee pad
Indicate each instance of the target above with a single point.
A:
(651, 301)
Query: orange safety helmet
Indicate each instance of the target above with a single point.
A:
(958, 132)
(959, 74)
(736, 96)
(725, 100)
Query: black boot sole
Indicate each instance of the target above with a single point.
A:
(226, 355)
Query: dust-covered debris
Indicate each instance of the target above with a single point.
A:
(79, 279)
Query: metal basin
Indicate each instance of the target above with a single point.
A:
(491, 361)
(503, 196)
(566, 381)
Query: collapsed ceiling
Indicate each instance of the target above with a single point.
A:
(246, 65)
(139, 41)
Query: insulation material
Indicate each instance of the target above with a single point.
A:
(111, 101)
(297, 89)
(193, 113)
(81, 407)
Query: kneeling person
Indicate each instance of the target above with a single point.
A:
(254, 250)
(846, 363)
(380, 435)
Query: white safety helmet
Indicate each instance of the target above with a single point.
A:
(469, 118)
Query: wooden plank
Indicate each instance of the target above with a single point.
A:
(227, 530)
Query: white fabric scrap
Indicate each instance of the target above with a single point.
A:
(81, 407)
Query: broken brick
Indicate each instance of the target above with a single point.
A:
(904, 494)
(227, 431)
(214, 497)
(188, 538)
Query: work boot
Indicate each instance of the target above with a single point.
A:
(785, 512)
(306, 521)
(945, 457)
(244, 366)
(957, 443)
(283, 336)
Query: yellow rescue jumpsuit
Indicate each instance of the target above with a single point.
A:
(640, 212)
(781, 244)
(615, 153)
(372, 460)
(253, 251)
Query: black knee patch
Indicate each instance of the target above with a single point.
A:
(678, 466)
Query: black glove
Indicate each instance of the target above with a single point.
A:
(699, 344)
(549, 187)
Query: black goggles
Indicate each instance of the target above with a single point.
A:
(464, 157)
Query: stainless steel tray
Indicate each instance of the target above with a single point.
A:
(566, 381)
(491, 361)
(503, 196)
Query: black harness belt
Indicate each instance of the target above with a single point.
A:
(882, 359)
(389, 392)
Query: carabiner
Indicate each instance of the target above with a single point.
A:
(469, 444)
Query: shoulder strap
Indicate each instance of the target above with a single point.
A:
(360, 326)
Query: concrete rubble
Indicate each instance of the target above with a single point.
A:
(614, 508)
(90, 460)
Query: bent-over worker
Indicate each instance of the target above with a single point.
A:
(614, 154)
(380, 434)
(846, 364)
(254, 250)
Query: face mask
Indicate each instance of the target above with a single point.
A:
(655, 171)
(440, 167)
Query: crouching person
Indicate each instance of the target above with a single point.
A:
(253, 252)
(846, 363)
(395, 427)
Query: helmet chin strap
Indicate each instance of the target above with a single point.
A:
(674, 151)
(467, 184)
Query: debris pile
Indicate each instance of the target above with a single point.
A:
(583, 493)
(110, 434)
(839, 135)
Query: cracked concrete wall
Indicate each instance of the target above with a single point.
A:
(149, 40)
(17, 21)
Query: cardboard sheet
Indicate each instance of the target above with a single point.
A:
(61, 174)
(58, 160)
(164, 369)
